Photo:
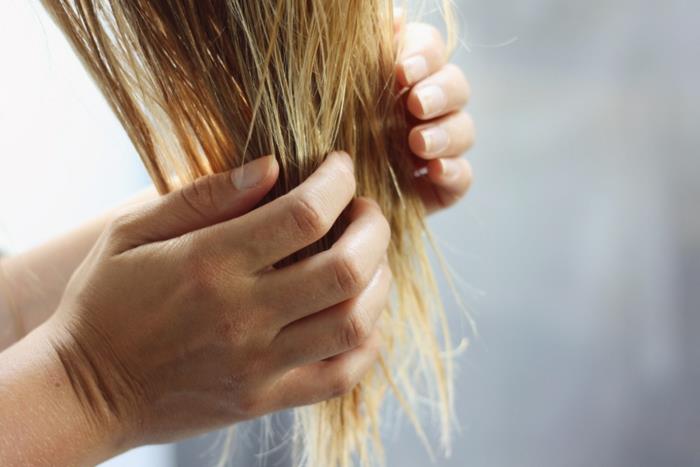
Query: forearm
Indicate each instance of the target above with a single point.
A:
(10, 323)
(33, 282)
(42, 422)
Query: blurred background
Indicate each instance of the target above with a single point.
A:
(577, 249)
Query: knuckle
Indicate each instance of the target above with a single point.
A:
(248, 405)
(199, 196)
(350, 276)
(470, 127)
(376, 211)
(122, 230)
(469, 174)
(308, 216)
(344, 382)
(384, 228)
(460, 78)
(122, 224)
(435, 33)
(429, 34)
(389, 276)
(456, 75)
(356, 330)
(466, 131)
(455, 71)
(469, 122)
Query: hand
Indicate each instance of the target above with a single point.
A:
(177, 324)
(437, 92)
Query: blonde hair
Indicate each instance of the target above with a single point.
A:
(204, 86)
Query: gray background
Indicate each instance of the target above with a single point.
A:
(583, 235)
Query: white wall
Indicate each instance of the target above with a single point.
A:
(63, 155)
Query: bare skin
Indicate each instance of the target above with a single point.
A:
(85, 378)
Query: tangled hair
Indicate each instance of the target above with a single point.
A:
(204, 86)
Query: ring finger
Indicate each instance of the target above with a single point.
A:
(337, 329)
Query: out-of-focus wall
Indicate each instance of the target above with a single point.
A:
(579, 245)
(63, 155)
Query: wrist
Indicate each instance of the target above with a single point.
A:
(48, 423)
(13, 328)
(93, 395)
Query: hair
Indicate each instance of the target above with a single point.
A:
(204, 86)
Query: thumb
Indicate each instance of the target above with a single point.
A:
(208, 200)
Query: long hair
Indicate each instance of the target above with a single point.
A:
(205, 86)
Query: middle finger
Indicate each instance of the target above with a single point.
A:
(332, 276)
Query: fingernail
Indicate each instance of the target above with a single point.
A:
(449, 168)
(415, 69)
(432, 99)
(251, 174)
(435, 140)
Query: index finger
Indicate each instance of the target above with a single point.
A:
(295, 220)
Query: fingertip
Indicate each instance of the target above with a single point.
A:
(270, 158)
(343, 157)
(254, 173)
(274, 167)
(361, 207)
